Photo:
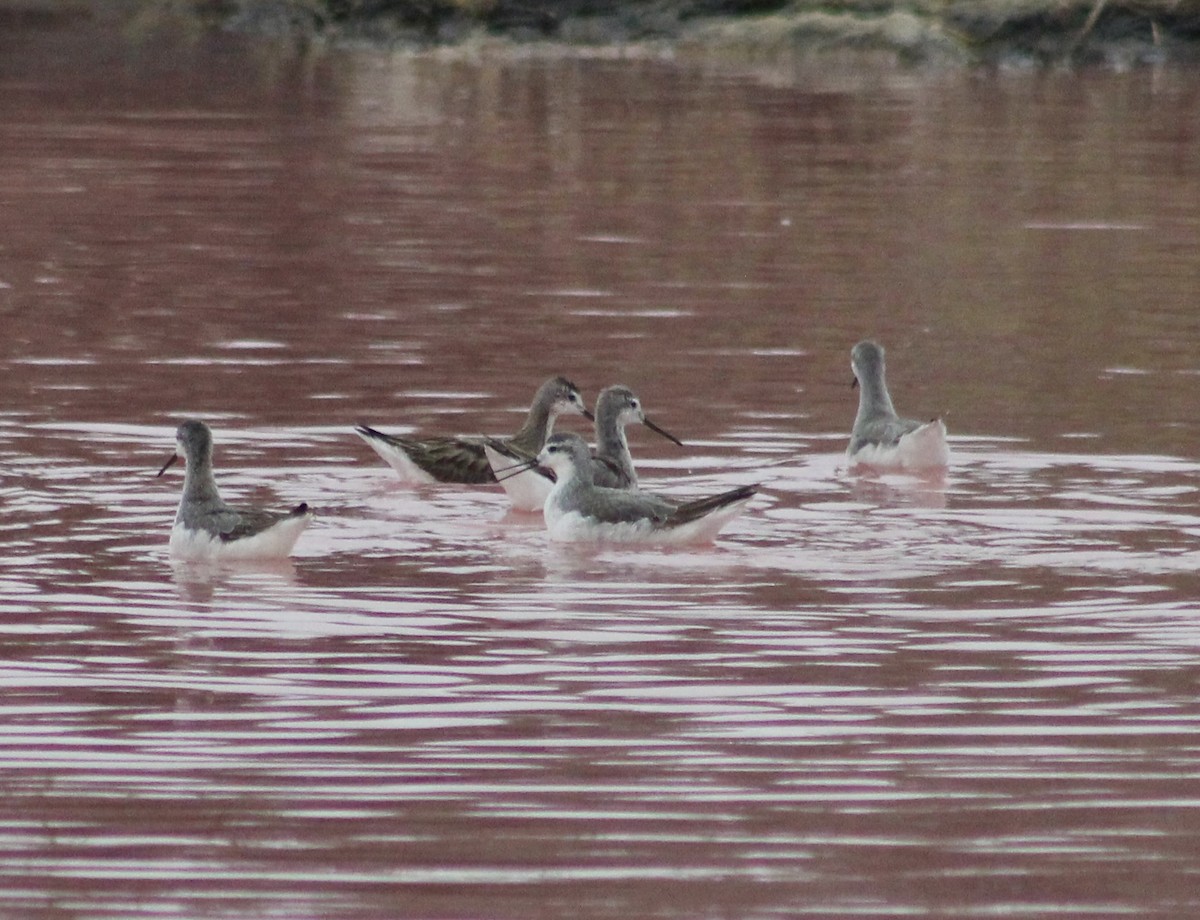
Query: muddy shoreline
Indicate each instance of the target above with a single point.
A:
(1113, 33)
(1022, 33)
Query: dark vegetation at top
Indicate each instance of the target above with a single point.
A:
(1039, 32)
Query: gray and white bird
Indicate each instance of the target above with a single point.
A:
(880, 438)
(612, 465)
(462, 459)
(206, 527)
(578, 510)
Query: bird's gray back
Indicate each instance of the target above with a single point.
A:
(615, 506)
(881, 431)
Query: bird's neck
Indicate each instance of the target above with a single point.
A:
(199, 484)
(611, 440)
(567, 481)
(873, 400)
(613, 446)
(539, 425)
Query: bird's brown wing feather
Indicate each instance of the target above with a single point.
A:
(693, 510)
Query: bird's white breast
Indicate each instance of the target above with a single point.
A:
(527, 490)
(276, 542)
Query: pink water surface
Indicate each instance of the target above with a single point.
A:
(974, 696)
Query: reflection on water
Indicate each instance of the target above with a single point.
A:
(971, 696)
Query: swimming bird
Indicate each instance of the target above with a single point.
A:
(579, 510)
(611, 463)
(462, 459)
(206, 527)
(880, 438)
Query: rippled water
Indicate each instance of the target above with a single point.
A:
(969, 697)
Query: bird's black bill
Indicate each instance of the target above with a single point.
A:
(587, 414)
(854, 383)
(508, 472)
(666, 434)
(166, 466)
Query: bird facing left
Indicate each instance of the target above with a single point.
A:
(206, 527)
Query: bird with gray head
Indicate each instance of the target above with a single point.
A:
(206, 527)
(579, 510)
(611, 463)
(462, 459)
(880, 437)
